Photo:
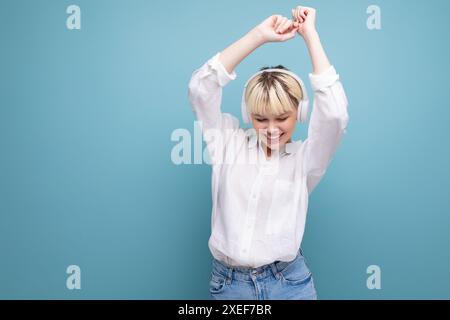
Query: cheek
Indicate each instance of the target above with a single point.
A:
(258, 125)
(289, 127)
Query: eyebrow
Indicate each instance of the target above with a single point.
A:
(261, 116)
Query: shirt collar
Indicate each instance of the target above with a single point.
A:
(288, 148)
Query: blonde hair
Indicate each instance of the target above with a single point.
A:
(273, 93)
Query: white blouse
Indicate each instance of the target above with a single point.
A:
(260, 205)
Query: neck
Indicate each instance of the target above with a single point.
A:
(268, 152)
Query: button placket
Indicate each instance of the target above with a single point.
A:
(251, 215)
(270, 168)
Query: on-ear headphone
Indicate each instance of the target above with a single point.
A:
(303, 105)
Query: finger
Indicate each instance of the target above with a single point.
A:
(277, 21)
(282, 20)
(273, 20)
(297, 10)
(285, 26)
(280, 26)
(303, 13)
(292, 31)
(300, 16)
(295, 14)
(289, 35)
(294, 28)
(307, 11)
(291, 26)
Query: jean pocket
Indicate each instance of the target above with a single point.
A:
(296, 273)
(216, 283)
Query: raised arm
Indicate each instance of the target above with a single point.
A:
(329, 117)
(305, 21)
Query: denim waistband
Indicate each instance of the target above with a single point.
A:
(247, 273)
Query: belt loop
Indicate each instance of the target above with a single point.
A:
(275, 270)
(229, 275)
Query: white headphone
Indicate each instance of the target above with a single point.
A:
(303, 105)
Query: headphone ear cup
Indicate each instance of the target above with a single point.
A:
(299, 112)
(302, 115)
(244, 110)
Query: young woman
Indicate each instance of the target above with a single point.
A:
(259, 207)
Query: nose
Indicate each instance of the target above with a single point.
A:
(272, 129)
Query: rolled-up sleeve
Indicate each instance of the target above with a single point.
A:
(327, 126)
(205, 94)
(205, 97)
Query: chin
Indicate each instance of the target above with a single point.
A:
(277, 144)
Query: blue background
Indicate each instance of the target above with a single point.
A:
(86, 118)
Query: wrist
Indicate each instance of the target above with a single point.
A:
(310, 36)
(257, 36)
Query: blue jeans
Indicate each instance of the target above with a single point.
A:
(275, 281)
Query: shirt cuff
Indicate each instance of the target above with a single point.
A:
(324, 79)
(223, 76)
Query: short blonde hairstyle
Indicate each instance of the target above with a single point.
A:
(273, 93)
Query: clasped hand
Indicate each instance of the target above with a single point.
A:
(278, 28)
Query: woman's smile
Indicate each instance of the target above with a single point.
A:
(274, 139)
